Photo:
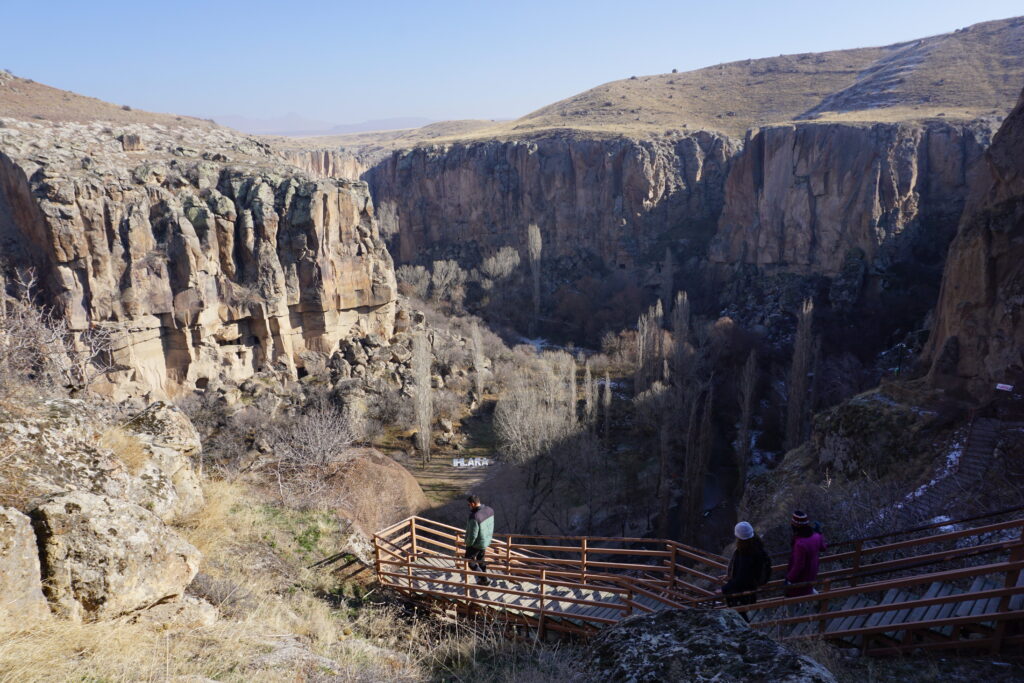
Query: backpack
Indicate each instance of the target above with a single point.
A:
(765, 574)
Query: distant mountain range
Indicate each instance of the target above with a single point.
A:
(293, 124)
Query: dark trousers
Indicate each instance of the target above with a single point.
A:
(476, 562)
(737, 600)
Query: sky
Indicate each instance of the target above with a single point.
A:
(346, 62)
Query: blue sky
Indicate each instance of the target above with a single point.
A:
(351, 61)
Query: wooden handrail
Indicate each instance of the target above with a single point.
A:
(531, 564)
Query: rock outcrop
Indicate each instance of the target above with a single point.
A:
(21, 595)
(204, 254)
(62, 445)
(978, 335)
(618, 199)
(376, 491)
(103, 557)
(802, 196)
(697, 645)
(328, 163)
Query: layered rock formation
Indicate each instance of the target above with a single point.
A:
(329, 163)
(794, 198)
(979, 327)
(204, 254)
(618, 199)
(800, 197)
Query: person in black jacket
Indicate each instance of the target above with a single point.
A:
(749, 568)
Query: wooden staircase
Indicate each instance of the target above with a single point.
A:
(576, 585)
(924, 588)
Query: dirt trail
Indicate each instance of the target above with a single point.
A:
(440, 480)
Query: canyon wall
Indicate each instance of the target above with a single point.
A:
(978, 334)
(794, 198)
(202, 265)
(801, 197)
(328, 163)
(620, 199)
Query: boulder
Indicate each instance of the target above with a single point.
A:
(697, 645)
(60, 445)
(172, 443)
(21, 593)
(102, 557)
(376, 491)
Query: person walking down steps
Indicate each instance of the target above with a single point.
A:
(749, 568)
(804, 555)
(479, 530)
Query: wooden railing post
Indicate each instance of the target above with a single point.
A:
(1012, 576)
(508, 554)
(412, 535)
(543, 590)
(858, 548)
(672, 574)
(583, 560)
(376, 553)
(823, 606)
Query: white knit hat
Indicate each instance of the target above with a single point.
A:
(744, 531)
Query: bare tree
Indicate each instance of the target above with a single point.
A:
(803, 353)
(307, 448)
(38, 348)
(478, 360)
(422, 396)
(748, 390)
(667, 280)
(501, 264)
(698, 454)
(534, 247)
(413, 280)
(589, 395)
(447, 282)
(606, 406)
(650, 346)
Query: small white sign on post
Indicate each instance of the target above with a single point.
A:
(471, 462)
(1004, 387)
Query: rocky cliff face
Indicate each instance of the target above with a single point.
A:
(979, 329)
(794, 198)
(619, 199)
(203, 253)
(801, 197)
(328, 163)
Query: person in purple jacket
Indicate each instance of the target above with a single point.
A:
(804, 555)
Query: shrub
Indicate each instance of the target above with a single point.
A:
(502, 264)
(413, 281)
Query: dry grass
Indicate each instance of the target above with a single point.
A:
(264, 550)
(127, 447)
(22, 98)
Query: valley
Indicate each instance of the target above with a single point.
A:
(658, 307)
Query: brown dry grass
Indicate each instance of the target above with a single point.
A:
(126, 446)
(23, 98)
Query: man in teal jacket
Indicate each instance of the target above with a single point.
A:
(479, 531)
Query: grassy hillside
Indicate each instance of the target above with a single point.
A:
(972, 72)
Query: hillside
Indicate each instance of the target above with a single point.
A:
(22, 98)
(964, 75)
